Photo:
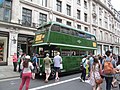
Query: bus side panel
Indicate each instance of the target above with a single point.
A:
(71, 63)
(60, 38)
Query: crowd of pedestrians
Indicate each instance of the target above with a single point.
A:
(94, 68)
(101, 68)
(28, 66)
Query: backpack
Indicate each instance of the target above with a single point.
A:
(34, 61)
(81, 65)
(108, 67)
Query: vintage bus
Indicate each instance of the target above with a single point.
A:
(72, 44)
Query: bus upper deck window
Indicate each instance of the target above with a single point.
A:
(88, 36)
(81, 34)
(55, 28)
(93, 38)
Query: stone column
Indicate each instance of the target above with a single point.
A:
(103, 52)
(114, 49)
(15, 11)
(13, 35)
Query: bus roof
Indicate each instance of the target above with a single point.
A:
(70, 27)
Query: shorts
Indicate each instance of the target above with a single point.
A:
(57, 69)
(47, 70)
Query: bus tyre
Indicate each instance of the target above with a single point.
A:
(52, 75)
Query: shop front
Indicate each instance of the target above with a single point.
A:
(3, 48)
(99, 49)
(25, 43)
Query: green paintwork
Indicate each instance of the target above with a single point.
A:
(65, 41)
(56, 37)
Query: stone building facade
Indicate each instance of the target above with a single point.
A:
(20, 18)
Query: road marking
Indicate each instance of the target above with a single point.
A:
(53, 84)
(9, 79)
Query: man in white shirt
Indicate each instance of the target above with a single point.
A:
(57, 61)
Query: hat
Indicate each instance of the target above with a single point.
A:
(58, 53)
(47, 54)
(27, 57)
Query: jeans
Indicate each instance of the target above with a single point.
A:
(108, 82)
(15, 66)
(19, 69)
(83, 76)
(25, 79)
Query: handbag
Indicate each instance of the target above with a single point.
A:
(21, 72)
(81, 65)
(98, 81)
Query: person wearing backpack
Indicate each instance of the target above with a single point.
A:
(83, 75)
(108, 70)
(26, 73)
(35, 64)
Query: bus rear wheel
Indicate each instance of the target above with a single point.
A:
(52, 75)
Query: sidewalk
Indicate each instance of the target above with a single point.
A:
(7, 72)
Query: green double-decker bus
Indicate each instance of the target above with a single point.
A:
(72, 44)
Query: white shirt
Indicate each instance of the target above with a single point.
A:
(28, 70)
(57, 60)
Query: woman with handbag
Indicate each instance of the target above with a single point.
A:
(95, 78)
(26, 73)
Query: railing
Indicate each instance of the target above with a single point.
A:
(28, 24)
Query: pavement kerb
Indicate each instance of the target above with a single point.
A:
(9, 77)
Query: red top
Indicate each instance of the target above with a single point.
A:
(14, 58)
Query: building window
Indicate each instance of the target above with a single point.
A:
(101, 35)
(78, 26)
(59, 20)
(100, 22)
(85, 4)
(106, 24)
(94, 7)
(68, 23)
(85, 17)
(100, 11)
(86, 29)
(104, 1)
(1, 3)
(94, 20)
(110, 26)
(68, 10)
(7, 14)
(110, 38)
(59, 6)
(26, 17)
(5, 10)
(78, 14)
(106, 37)
(43, 2)
(78, 2)
(94, 31)
(105, 15)
(42, 18)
